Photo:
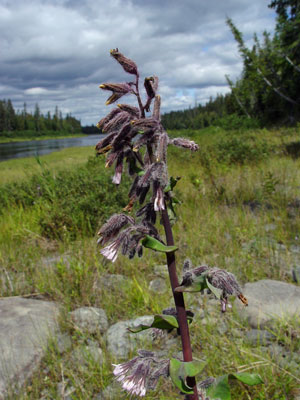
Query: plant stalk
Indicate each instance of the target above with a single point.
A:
(179, 303)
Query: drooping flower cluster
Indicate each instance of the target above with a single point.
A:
(142, 372)
(218, 278)
(127, 239)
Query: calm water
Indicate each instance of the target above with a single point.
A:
(40, 147)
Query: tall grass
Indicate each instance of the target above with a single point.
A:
(236, 212)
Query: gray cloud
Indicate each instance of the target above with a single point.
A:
(56, 52)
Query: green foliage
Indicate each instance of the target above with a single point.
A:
(167, 322)
(241, 149)
(229, 235)
(269, 86)
(236, 122)
(221, 389)
(267, 93)
(25, 124)
(71, 202)
(269, 184)
(180, 371)
(153, 244)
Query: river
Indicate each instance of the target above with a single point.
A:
(35, 148)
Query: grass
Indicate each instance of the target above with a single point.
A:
(236, 210)
(23, 136)
(19, 169)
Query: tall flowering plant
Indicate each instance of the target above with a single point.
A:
(137, 141)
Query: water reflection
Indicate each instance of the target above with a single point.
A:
(34, 148)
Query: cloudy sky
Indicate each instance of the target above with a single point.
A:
(56, 52)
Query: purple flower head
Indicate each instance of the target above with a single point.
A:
(127, 64)
(151, 85)
(185, 143)
(156, 172)
(113, 226)
(189, 278)
(227, 282)
(159, 202)
(118, 90)
(156, 108)
(116, 122)
(162, 144)
(147, 137)
(128, 240)
(118, 170)
(187, 265)
(131, 110)
(145, 124)
(108, 117)
(141, 373)
(148, 212)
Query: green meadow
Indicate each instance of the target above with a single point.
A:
(239, 199)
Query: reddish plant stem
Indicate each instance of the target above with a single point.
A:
(179, 303)
(139, 97)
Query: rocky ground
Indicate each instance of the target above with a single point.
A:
(27, 324)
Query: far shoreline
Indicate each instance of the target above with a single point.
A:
(45, 137)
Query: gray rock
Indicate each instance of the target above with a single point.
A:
(270, 227)
(26, 325)
(83, 353)
(296, 274)
(257, 337)
(269, 300)
(90, 319)
(120, 342)
(161, 271)
(64, 342)
(52, 260)
(111, 392)
(111, 282)
(64, 390)
(158, 285)
(295, 249)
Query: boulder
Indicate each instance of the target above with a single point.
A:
(120, 342)
(269, 300)
(90, 319)
(158, 286)
(25, 327)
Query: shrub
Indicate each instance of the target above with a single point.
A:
(71, 202)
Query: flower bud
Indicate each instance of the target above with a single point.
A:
(127, 64)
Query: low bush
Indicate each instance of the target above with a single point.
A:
(70, 202)
(236, 122)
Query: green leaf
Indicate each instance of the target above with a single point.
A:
(217, 292)
(220, 389)
(160, 321)
(180, 370)
(172, 183)
(154, 244)
(198, 285)
(247, 378)
(171, 213)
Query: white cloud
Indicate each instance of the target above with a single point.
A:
(56, 52)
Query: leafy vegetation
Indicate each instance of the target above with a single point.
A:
(228, 230)
(70, 201)
(26, 124)
(267, 93)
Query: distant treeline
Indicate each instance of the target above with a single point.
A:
(221, 111)
(20, 121)
(268, 91)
